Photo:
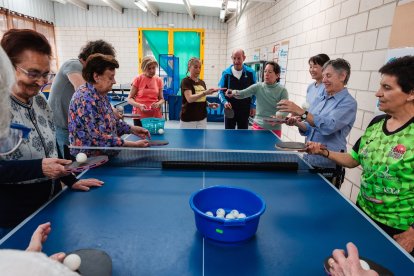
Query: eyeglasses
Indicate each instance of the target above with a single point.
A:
(13, 140)
(36, 75)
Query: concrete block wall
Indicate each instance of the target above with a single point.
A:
(357, 30)
(122, 31)
(70, 40)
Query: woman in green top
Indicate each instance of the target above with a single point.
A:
(268, 94)
(386, 154)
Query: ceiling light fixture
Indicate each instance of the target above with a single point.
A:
(141, 5)
(61, 1)
(222, 15)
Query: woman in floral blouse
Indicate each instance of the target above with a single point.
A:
(92, 122)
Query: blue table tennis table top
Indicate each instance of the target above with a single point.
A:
(142, 219)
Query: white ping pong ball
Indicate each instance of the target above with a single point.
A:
(160, 131)
(72, 261)
(210, 214)
(81, 157)
(230, 216)
(220, 212)
(235, 213)
(280, 114)
(241, 215)
(364, 265)
(305, 106)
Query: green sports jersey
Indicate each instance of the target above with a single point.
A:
(387, 180)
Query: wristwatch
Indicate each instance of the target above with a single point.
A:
(304, 115)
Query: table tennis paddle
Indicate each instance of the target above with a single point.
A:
(90, 163)
(131, 115)
(274, 120)
(94, 262)
(382, 271)
(294, 146)
(229, 113)
(155, 143)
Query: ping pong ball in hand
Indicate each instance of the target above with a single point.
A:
(81, 157)
(160, 131)
(72, 261)
(281, 114)
(305, 106)
(364, 265)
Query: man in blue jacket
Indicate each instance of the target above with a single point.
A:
(238, 77)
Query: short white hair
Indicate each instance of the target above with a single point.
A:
(7, 79)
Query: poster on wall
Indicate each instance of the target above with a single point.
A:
(393, 54)
(283, 60)
(276, 52)
(263, 54)
(256, 55)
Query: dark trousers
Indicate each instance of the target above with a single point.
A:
(334, 175)
(137, 122)
(387, 229)
(241, 120)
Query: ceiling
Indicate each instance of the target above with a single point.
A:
(198, 7)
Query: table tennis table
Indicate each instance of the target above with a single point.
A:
(141, 217)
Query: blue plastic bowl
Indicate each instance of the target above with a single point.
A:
(229, 198)
(153, 124)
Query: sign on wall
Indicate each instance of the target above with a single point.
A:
(280, 55)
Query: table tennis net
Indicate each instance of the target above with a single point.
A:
(200, 159)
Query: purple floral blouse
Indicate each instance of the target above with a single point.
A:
(92, 121)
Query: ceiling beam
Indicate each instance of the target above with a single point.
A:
(79, 4)
(189, 8)
(150, 7)
(61, 1)
(115, 6)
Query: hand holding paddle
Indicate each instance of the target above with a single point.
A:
(291, 146)
(213, 105)
(90, 163)
(316, 148)
(54, 167)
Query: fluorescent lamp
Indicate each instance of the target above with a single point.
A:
(141, 5)
(222, 14)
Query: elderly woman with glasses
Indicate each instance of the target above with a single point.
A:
(29, 53)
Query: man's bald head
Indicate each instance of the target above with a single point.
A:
(238, 58)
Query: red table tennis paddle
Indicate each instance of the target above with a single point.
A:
(229, 113)
(94, 262)
(382, 271)
(291, 146)
(155, 143)
(90, 163)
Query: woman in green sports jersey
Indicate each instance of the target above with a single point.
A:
(386, 154)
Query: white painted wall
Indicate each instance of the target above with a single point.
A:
(357, 30)
(42, 9)
(74, 27)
